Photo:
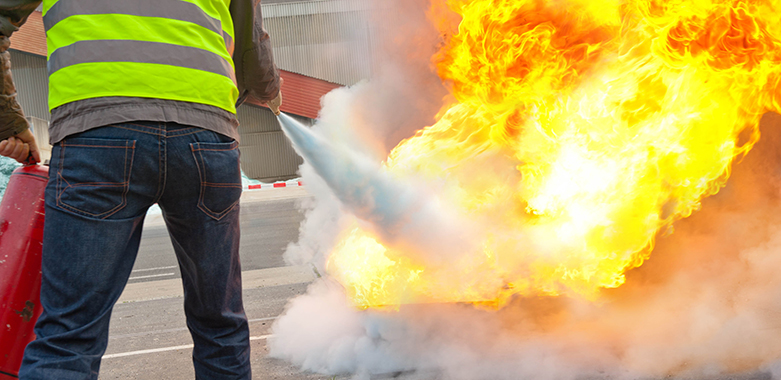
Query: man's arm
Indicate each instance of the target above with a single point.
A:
(256, 74)
(13, 13)
(12, 121)
(16, 139)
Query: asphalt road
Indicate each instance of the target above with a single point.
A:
(267, 226)
(148, 337)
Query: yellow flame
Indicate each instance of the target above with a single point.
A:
(581, 129)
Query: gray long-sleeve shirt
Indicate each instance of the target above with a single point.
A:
(256, 75)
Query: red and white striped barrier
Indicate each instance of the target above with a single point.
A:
(264, 186)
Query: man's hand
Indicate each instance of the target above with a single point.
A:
(275, 103)
(20, 147)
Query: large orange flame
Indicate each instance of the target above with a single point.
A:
(580, 130)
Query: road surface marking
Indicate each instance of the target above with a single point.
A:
(252, 279)
(151, 269)
(173, 330)
(262, 319)
(151, 276)
(165, 349)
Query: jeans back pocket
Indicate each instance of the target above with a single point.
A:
(93, 175)
(220, 174)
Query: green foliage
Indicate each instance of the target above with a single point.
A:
(7, 166)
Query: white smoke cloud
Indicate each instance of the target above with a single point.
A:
(400, 213)
(320, 229)
(706, 305)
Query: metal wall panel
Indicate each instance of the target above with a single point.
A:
(32, 83)
(328, 39)
(314, 7)
(40, 129)
(254, 119)
(268, 157)
(266, 153)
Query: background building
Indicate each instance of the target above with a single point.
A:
(319, 45)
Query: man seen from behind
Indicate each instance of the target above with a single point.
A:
(143, 97)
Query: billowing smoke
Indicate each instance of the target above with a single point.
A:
(706, 305)
(369, 119)
(398, 211)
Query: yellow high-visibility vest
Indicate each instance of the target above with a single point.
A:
(164, 49)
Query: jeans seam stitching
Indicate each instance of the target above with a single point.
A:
(127, 177)
(181, 132)
(161, 140)
(187, 134)
(201, 203)
(99, 146)
(137, 130)
(96, 184)
(105, 214)
(60, 178)
(219, 216)
(234, 146)
(161, 130)
(204, 184)
(200, 178)
(101, 215)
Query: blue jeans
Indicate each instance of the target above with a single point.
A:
(101, 184)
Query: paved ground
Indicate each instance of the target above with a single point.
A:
(148, 337)
(149, 340)
(269, 221)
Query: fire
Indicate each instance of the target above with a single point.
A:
(580, 130)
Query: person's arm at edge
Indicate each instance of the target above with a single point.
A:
(256, 74)
(14, 13)
(16, 139)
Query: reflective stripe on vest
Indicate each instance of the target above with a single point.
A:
(166, 49)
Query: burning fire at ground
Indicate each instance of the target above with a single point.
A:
(578, 131)
(527, 233)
